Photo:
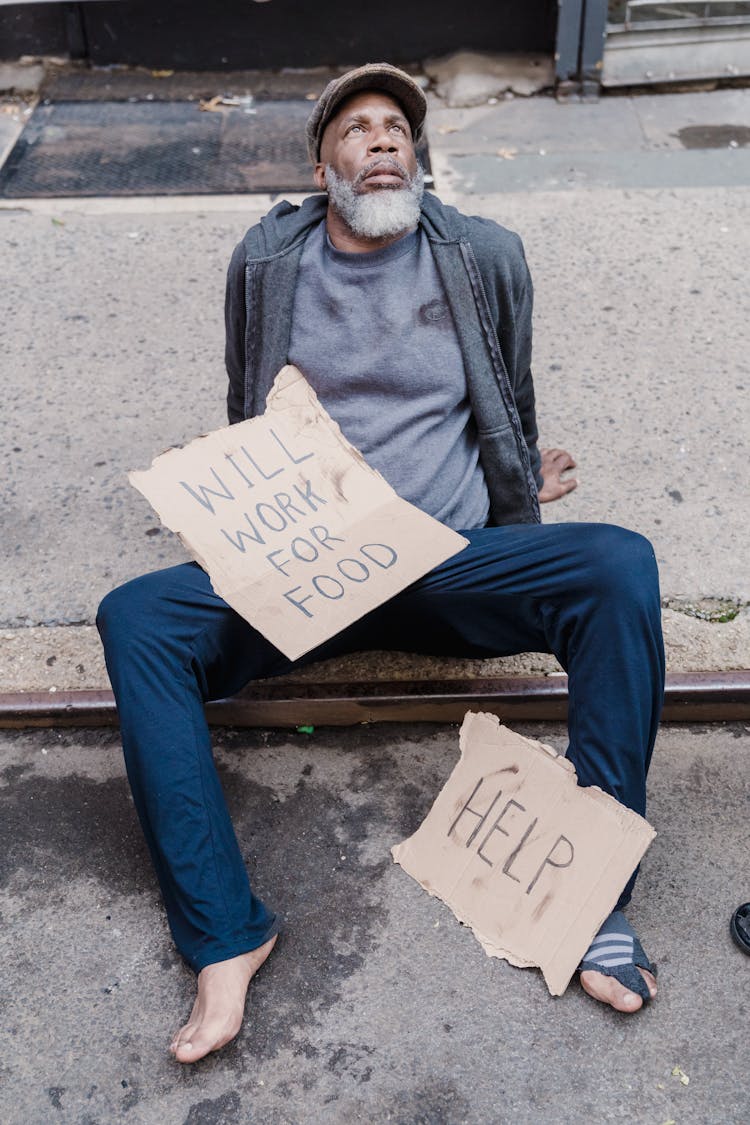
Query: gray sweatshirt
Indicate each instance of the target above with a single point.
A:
(487, 285)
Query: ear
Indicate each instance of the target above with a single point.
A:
(319, 175)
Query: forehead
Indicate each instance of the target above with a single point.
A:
(367, 103)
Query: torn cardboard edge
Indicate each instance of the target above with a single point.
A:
(295, 530)
(532, 862)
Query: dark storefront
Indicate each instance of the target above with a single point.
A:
(594, 43)
(243, 34)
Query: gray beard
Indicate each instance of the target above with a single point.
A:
(376, 214)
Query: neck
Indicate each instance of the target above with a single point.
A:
(343, 238)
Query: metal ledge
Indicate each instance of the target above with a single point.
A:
(689, 697)
(633, 58)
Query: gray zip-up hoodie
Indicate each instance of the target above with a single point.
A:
(487, 284)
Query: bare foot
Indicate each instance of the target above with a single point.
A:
(610, 991)
(219, 1006)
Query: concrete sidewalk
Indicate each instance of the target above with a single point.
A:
(113, 339)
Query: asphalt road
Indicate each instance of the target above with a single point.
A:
(377, 1005)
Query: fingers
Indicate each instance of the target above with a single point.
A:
(555, 462)
(562, 456)
(553, 488)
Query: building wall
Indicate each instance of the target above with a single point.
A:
(241, 34)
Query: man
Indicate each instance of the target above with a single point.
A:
(413, 324)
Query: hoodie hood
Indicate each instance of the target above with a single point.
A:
(284, 225)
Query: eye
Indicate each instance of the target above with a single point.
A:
(355, 128)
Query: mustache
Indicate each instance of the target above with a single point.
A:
(380, 162)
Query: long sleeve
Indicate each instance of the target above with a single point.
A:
(522, 379)
(235, 325)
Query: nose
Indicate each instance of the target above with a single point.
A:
(382, 140)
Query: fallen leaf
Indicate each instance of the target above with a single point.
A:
(210, 105)
(678, 1072)
(162, 73)
(507, 153)
(58, 223)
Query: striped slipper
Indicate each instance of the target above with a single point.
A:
(616, 952)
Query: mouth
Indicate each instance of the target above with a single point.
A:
(383, 174)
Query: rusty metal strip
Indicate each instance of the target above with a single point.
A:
(690, 697)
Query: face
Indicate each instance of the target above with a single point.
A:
(368, 143)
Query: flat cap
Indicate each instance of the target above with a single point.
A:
(373, 76)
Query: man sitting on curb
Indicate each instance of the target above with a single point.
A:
(412, 322)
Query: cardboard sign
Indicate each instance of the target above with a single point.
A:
(296, 531)
(521, 853)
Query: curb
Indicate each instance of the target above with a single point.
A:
(689, 697)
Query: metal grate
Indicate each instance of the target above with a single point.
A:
(93, 148)
(167, 148)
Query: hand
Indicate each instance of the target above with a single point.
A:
(555, 462)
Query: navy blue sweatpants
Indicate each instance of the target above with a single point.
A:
(588, 593)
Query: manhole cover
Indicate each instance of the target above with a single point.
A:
(90, 148)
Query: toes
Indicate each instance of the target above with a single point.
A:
(191, 1050)
(627, 1001)
(195, 1040)
(187, 1029)
(609, 991)
(181, 1036)
(201, 1041)
(650, 982)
